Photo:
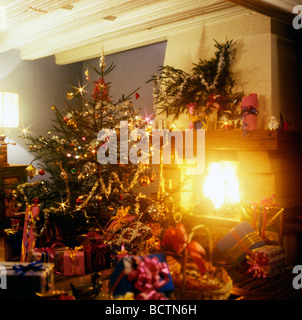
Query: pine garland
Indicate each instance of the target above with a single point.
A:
(209, 86)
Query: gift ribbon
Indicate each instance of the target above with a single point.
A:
(259, 264)
(191, 107)
(29, 222)
(22, 269)
(264, 205)
(50, 250)
(120, 218)
(72, 255)
(149, 276)
(246, 111)
(212, 104)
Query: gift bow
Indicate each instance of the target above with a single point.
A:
(259, 264)
(246, 111)
(212, 102)
(72, 255)
(264, 204)
(176, 240)
(149, 276)
(191, 107)
(22, 269)
(120, 217)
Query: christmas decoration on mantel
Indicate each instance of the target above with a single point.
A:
(206, 92)
(82, 193)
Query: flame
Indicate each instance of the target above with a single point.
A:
(221, 185)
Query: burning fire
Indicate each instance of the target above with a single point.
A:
(221, 185)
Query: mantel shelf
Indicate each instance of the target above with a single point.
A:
(258, 140)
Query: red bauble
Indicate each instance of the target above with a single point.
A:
(41, 172)
(79, 201)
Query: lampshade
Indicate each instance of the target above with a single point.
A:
(9, 115)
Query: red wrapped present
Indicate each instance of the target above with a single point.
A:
(249, 108)
(28, 242)
(17, 221)
(97, 253)
(73, 262)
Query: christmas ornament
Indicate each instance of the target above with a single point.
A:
(41, 172)
(31, 171)
(136, 95)
(87, 74)
(79, 200)
(73, 170)
(273, 123)
(153, 177)
(69, 95)
(63, 175)
(144, 181)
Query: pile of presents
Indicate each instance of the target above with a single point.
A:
(145, 267)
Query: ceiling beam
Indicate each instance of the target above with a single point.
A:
(267, 9)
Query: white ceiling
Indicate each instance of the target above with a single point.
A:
(76, 30)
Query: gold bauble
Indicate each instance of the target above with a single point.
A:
(144, 181)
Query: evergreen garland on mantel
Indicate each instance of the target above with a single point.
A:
(208, 88)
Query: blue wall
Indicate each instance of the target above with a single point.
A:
(42, 83)
(133, 69)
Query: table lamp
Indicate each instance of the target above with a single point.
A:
(9, 118)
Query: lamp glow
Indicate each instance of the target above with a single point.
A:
(9, 115)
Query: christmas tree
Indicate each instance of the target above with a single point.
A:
(82, 192)
(208, 89)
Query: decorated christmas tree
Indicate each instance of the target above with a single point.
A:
(86, 188)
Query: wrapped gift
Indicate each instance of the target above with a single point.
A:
(145, 276)
(120, 220)
(73, 262)
(97, 257)
(249, 108)
(17, 220)
(133, 237)
(28, 242)
(97, 253)
(24, 280)
(237, 243)
(12, 244)
(266, 218)
(266, 261)
(53, 254)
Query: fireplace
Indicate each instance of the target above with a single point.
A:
(241, 169)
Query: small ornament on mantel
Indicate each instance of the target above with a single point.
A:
(273, 123)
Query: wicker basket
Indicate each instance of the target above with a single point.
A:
(221, 293)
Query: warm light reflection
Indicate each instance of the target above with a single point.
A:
(221, 185)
